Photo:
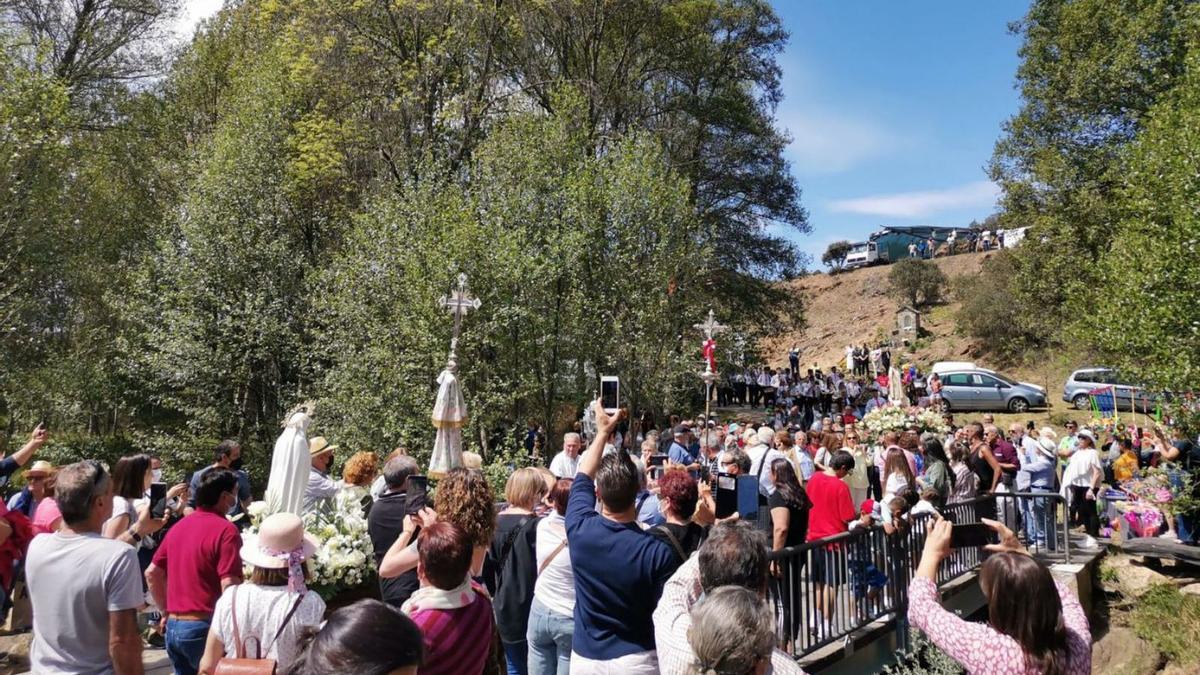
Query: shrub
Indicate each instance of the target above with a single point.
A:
(995, 313)
(917, 282)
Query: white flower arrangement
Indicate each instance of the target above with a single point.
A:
(895, 418)
(343, 559)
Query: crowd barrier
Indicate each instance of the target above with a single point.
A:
(826, 590)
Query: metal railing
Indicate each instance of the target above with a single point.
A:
(825, 591)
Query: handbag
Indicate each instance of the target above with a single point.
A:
(240, 664)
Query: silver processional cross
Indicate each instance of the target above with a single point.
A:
(459, 302)
(710, 327)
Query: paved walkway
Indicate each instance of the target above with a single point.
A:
(156, 662)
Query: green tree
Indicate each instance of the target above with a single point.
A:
(1144, 313)
(987, 313)
(1090, 70)
(835, 255)
(917, 282)
(574, 257)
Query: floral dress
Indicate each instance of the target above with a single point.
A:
(984, 651)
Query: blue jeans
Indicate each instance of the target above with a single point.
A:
(185, 644)
(516, 655)
(549, 636)
(1035, 515)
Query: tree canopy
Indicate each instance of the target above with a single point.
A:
(206, 236)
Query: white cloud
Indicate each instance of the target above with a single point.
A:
(825, 142)
(192, 12)
(921, 204)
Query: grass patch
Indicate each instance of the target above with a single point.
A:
(1170, 621)
(1108, 575)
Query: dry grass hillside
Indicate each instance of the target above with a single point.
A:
(855, 308)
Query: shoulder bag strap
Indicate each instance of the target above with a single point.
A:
(286, 619)
(762, 463)
(238, 648)
(506, 549)
(674, 542)
(546, 563)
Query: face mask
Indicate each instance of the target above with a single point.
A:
(157, 474)
(236, 464)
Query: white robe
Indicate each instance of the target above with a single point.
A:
(290, 465)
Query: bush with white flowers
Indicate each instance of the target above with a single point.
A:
(343, 560)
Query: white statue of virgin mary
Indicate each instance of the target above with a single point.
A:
(290, 465)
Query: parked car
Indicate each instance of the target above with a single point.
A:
(1084, 380)
(983, 389)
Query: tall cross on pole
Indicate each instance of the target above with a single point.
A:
(710, 327)
(459, 302)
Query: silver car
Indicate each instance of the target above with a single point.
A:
(1128, 395)
(981, 389)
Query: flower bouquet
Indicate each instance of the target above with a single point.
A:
(895, 418)
(343, 560)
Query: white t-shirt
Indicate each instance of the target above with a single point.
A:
(126, 507)
(261, 610)
(563, 466)
(74, 582)
(555, 586)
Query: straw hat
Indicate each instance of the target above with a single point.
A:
(278, 537)
(319, 445)
(39, 468)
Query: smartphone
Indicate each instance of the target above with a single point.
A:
(158, 500)
(658, 460)
(610, 393)
(726, 495)
(416, 495)
(972, 535)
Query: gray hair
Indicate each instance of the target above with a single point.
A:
(572, 436)
(398, 469)
(708, 439)
(737, 456)
(766, 435)
(75, 488)
(732, 630)
(734, 554)
(641, 471)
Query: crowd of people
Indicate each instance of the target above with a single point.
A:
(603, 561)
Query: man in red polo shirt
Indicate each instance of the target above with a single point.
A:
(197, 560)
(832, 510)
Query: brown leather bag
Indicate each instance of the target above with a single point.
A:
(240, 665)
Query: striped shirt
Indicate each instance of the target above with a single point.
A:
(456, 640)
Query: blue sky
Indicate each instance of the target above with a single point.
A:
(894, 108)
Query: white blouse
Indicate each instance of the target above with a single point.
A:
(261, 610)
(555, 586)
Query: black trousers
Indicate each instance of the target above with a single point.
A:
(1083, 510)
(755, 392)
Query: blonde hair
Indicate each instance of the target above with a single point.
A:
(472, 460)
(525, 488)
(360, 469)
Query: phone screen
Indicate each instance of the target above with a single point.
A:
(158, 500)
(972, 535)
(608, 393)
(417, 495)
(658, 460)
(726, 497)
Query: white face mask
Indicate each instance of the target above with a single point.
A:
(157, 475)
